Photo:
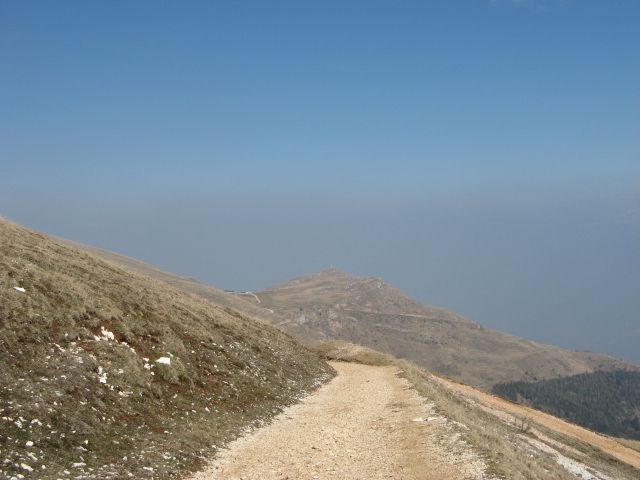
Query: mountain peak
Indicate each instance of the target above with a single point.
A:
(323, 278)
(332, 272)
(336, 289)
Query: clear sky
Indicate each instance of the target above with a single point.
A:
(482, 156)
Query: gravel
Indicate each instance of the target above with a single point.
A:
(367, 423)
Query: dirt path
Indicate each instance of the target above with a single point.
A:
(365, 424)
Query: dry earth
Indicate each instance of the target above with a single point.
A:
(367, 423)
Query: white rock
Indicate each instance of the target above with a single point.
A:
(20, 289)
(165, 360)
(107, 334)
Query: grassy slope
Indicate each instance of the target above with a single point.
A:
(367, 311)
(82, 394)
(243, 303)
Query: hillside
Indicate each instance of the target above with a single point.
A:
(607, 402)
(369, 312)
(109, 374)
(244, 303)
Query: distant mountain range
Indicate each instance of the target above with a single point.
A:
(333, 305)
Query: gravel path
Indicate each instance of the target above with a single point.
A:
(364, 424)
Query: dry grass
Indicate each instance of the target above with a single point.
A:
(82, 394)
(635, 444)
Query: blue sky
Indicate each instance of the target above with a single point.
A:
(482, 156)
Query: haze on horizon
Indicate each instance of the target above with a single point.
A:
(479, 156)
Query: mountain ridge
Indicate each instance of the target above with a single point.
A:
(333, 280)
(369, 312)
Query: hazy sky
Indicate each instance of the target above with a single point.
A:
(482, 156)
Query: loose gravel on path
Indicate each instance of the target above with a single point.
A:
(367, 423)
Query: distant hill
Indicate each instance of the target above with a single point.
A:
(369, 312)
(607, 402)
(109, 374)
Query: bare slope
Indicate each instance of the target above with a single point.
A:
(108, 374)
(369, 312)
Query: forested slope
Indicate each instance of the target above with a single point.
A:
(607, 402)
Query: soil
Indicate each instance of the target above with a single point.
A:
(367, 423)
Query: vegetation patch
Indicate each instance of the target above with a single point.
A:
(606, 402)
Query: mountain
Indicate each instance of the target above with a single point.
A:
(331, 305)
(369, 312)
(245, 302)
(105, 373)
(109, 374)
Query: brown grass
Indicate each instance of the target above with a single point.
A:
(81, 390)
